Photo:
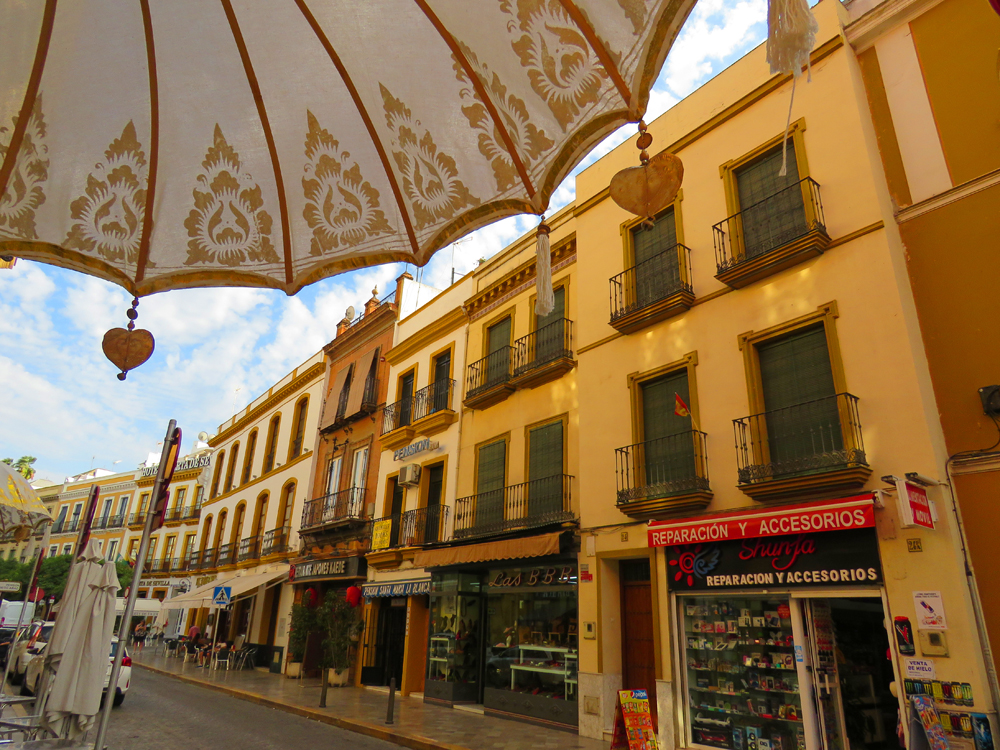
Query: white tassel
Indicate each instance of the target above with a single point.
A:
(545, 301)
(791, 36)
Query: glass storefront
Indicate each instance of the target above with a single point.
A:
(455, 627)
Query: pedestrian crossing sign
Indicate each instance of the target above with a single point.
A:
(223, 595)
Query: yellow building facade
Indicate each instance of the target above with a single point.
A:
(117, 493)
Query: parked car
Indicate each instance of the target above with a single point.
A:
(33, 674)
(35, 636)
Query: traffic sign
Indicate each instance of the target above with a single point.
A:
(222, 597)
(10, 586)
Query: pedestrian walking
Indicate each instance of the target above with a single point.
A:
(139, 636)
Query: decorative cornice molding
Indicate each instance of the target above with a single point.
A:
(884, 17)
(297, 383)
(450, 321)
(517, 280)
(353, 337)
(957, 193)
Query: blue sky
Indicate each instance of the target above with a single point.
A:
(217, 349)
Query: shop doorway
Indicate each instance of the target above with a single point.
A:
(638, 652)
(390, 644)
(851, 674)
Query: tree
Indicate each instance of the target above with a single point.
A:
(55, 570)
(15, 570)
(125, 573)
(23, 466)
(337, 623)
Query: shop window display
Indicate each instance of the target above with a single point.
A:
(454, 654)
(742, 683)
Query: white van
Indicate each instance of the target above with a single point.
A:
(10, 613)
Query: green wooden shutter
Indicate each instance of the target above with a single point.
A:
(545, 469)
(772, 211)
(405, 399)
(802, 417)
(490, 479)
(435, 485)
(657, 272)
(498, 363)
(550, 332)
(667, 453)
(442, 374)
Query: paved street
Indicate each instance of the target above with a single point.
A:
(162, 713)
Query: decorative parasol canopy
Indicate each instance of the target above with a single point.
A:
(164, 144)
(20, 509)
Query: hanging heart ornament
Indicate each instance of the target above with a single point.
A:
(648, 189)
(128, 349)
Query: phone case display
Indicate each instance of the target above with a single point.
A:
(454, 642)
(743, 688)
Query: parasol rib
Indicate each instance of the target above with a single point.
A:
(481, 90)
(154, 143)
(600, 50)
(31, 92)
(268, 135)
(363, 112)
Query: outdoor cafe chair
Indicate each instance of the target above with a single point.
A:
(245, 656)
(222, 657)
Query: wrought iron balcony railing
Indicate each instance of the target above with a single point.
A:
(369, 400)
(345, 505)
(776, 221)
(655, 279)
(227, 555)
(547, 344)
(491, 371)
(115, 522)
(157, 566)
(137, 519)
(397, 415)
(414, 528)
(192, 512)
(433, 398)
(817, 436)
(249, 548)
(180, 564)
(173, 514)
(520, 506)
(208, 557)
(671, 465)
(275, 541)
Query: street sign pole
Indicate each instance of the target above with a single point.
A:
(171, 445)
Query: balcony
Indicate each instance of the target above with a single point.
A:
(116, 521)
(336, 509)
(227, 556)
(772, 235)
(173, 516)
(249, 549)
(275, 542)
(207, 561)
(369, 402)
(814, 448)
(488, 381)
(662, 477)
(433, 410)
(414, 528)
(157, 566)
(397, 429)
(521, 506)
(192, 513)
(180, 564)
(136, 520)
(651, 291)
(543, 355)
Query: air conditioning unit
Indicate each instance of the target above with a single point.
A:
(409, 475)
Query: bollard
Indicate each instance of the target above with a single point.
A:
(392, 700)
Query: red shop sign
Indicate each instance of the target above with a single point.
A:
(827, 515)
(914, 507)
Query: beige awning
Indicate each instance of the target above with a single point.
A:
(361, 370)
(199, 597)
(506, 549)
(238, 585)
(333, 398)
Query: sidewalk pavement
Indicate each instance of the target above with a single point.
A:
(416, 724)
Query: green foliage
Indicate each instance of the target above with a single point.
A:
(52, 576)
(125, 573)
(303, 622)
(23, 466)
(337, 622)
(15, 570)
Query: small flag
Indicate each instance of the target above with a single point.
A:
(680, 408)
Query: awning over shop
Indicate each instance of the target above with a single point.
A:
(143, 607)
(396, 588)
(802, 518)
(199, 597)
(245, 586)
(239, 586)
(506, 549)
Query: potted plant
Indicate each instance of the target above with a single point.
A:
(302, 622)
(338, 623)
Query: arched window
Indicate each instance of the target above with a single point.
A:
(272, 443)
(220, 459)
(206, 534)
(241, 511)
(259, 515)
(231, 469)
(286, 506)
(248, 459)
(220, 529)
(298, 428)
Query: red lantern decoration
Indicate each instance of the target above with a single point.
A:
(310, 597)
(353, 596)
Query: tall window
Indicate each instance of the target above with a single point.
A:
(657, 270)
(398, 495)
(248, 458)
(133, 547)
(442, 381)
(667, 453)
(491, 476)
(220, 529)
(123, 506)
(168, 548)
(231, 468)
(206, 534)
(405, 399)
(199, 497)
(220, 459)
(179, 498)
(188, 546)
(272, 443)
(112, 549)
(550, 331)
(359, 471)
(241, 511)
(333, 474)
(298, 428)
(260, 515)
(772, 211)
(800, 402)
(545, 469)
(62, 516)
(106, 513)
(498, 352)
(144, 502)
(435, 487)
(77, 509)
(288, 504)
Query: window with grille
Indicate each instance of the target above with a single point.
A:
(668, 443)
(545, 469)
(772, 212)
(657, 270)
(801, 415)
(491, 475)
